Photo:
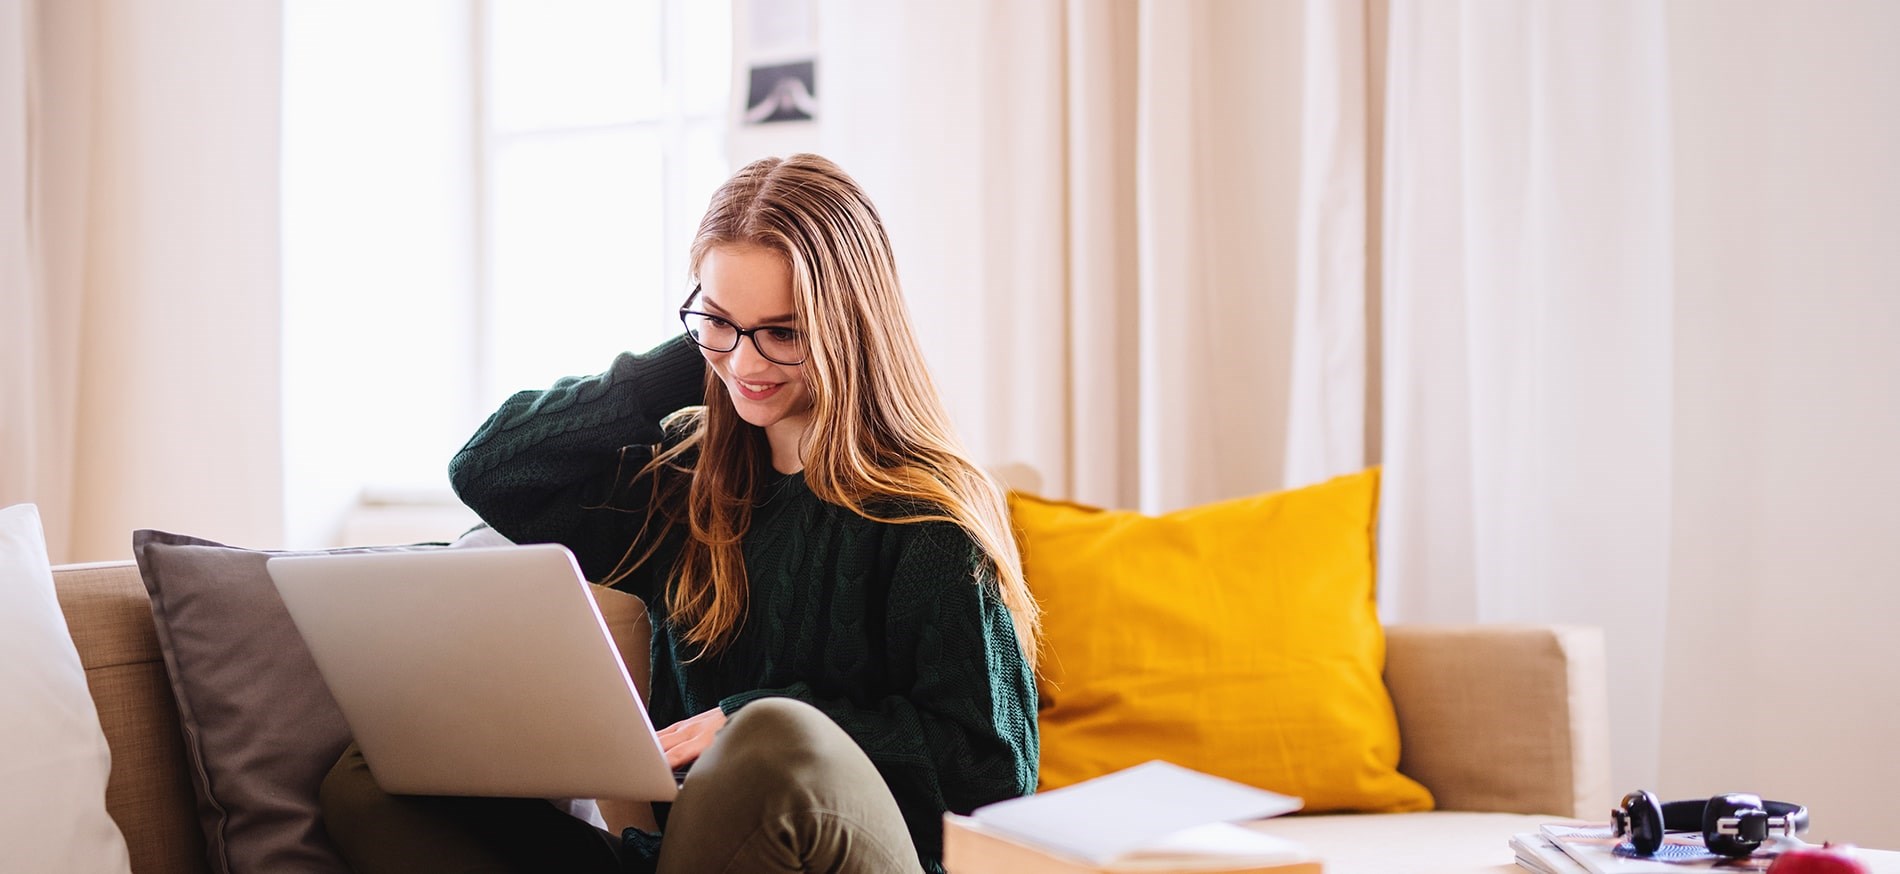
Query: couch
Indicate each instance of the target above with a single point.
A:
(1506, 725)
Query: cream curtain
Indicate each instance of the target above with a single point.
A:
(1332, 424)
(17, 270)
(1121, 318)
(138, 261)
(1528, 331)
(45, 142)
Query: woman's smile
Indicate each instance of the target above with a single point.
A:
(756, 391)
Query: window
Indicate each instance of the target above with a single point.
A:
(602, 127)
(479, 196)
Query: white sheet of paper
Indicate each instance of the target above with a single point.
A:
(1225, 841)
(1108, 817)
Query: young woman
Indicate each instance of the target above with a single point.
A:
(843, 642)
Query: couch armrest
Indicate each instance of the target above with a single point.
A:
(1504, 718)
(626, 617)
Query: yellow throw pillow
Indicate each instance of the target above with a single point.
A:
(1239, 638)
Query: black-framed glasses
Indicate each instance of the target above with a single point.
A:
(779, 345)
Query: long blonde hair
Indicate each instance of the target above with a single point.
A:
(880, 440)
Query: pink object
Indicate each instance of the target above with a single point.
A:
(1824, 859)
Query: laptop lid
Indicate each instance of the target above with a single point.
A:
(485, 671)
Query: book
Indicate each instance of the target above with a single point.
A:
(1536, 853)
(1153, 817)
(1599, 851)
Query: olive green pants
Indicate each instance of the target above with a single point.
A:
(782, 788)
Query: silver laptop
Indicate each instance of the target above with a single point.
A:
(484, 671)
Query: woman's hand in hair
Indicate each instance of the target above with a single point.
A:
(686, 739)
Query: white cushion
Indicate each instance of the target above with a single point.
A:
(53, 757)
(1442, 842)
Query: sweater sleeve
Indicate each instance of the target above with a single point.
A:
(544, 467)
(964, 734)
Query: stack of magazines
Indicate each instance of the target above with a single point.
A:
(1593, 849)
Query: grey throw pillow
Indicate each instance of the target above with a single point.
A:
(260, 727)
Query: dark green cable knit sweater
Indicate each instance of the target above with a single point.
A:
(881, 626)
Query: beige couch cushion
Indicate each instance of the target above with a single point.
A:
(1415, 843)
(149, 794)
(1503, 717)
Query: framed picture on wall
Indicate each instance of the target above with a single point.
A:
(781, 93)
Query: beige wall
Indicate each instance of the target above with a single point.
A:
(179, 411)
(1783, 675)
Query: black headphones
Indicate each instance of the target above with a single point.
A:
(1732, 825)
